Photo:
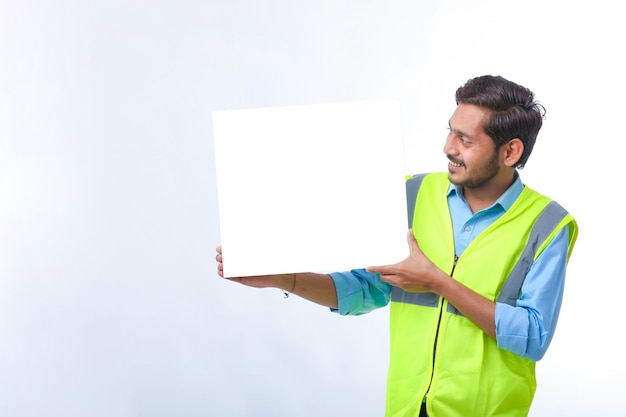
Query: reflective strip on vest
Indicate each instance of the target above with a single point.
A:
(549, 218)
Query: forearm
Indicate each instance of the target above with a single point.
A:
(472, 305)
(318, 288)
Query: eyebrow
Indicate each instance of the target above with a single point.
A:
(458, 131)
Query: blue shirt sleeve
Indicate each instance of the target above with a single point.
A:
(359, 292)
(527, 328)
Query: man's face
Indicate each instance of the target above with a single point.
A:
(474, 160)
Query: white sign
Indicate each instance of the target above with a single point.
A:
(314, 188)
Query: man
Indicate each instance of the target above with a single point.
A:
(476, 302)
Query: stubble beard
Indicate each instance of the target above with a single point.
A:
(482, 176)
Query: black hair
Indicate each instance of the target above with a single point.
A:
(514, 111)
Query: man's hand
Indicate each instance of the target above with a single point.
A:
(418, 274)
(415, 274)
(259, 281)
(319, 288)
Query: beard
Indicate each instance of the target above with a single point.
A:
(481, 176)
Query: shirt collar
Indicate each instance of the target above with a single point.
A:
(505, 201)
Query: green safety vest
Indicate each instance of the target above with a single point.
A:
(436, 353)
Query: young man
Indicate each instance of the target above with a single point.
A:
(475, 304)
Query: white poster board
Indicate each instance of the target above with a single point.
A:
(310, 188)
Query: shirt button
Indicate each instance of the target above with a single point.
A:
(467, 228)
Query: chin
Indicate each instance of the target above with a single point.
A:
(454, 179)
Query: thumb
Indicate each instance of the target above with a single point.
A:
(410, 237)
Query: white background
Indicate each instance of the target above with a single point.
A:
(109, 300)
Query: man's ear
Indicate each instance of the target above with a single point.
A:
(512, 152)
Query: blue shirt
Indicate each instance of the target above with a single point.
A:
(525, 329)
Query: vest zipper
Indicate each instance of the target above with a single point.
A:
(432, 373)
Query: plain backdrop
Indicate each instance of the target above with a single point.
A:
(110, 304)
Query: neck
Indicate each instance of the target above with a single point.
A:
(486, 194)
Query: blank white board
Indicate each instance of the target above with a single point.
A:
(310, 188)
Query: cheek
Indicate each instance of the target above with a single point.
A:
(470, 158)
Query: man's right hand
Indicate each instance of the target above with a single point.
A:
(257, 281)
(318, 288)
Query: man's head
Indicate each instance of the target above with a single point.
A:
(513, 111)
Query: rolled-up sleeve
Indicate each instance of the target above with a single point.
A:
(527, 328)
(359, 292)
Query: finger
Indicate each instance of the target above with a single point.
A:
(219, 249)
(381, 269)
(410, 238)
(388, 279)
